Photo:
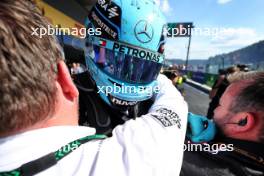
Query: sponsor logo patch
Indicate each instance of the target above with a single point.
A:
(119, 102)
(111, 33)
(144, 32)
(113, 12)
(110, 10)
(167, 117)
(136, 52)
(127, 49)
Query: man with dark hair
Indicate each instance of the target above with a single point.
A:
(240, 121)
(219, 88)
(39, 113)
(240, 113)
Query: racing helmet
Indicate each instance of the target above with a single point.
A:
(125, 59)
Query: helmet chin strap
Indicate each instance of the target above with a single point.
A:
(130, 113)
(80, 86)
(83, 88)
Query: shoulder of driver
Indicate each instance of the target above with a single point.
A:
(150, 145)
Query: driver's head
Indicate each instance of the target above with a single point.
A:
(34, 84)
(125, 60)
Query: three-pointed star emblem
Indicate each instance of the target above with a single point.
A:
(144, 31)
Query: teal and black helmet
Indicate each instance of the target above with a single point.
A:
(129, 51)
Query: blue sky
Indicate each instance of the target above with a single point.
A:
(241, 20)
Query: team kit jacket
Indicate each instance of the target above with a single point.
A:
(151, 145)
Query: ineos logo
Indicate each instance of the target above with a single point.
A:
(103, 4)
(112, 11)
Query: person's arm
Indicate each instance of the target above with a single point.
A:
(151, 144)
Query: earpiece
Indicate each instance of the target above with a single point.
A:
(242, 122)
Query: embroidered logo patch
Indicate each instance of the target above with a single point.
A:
(167, 117)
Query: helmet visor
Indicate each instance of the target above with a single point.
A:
(124, 67)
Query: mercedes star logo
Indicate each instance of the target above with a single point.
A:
(144, 31)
